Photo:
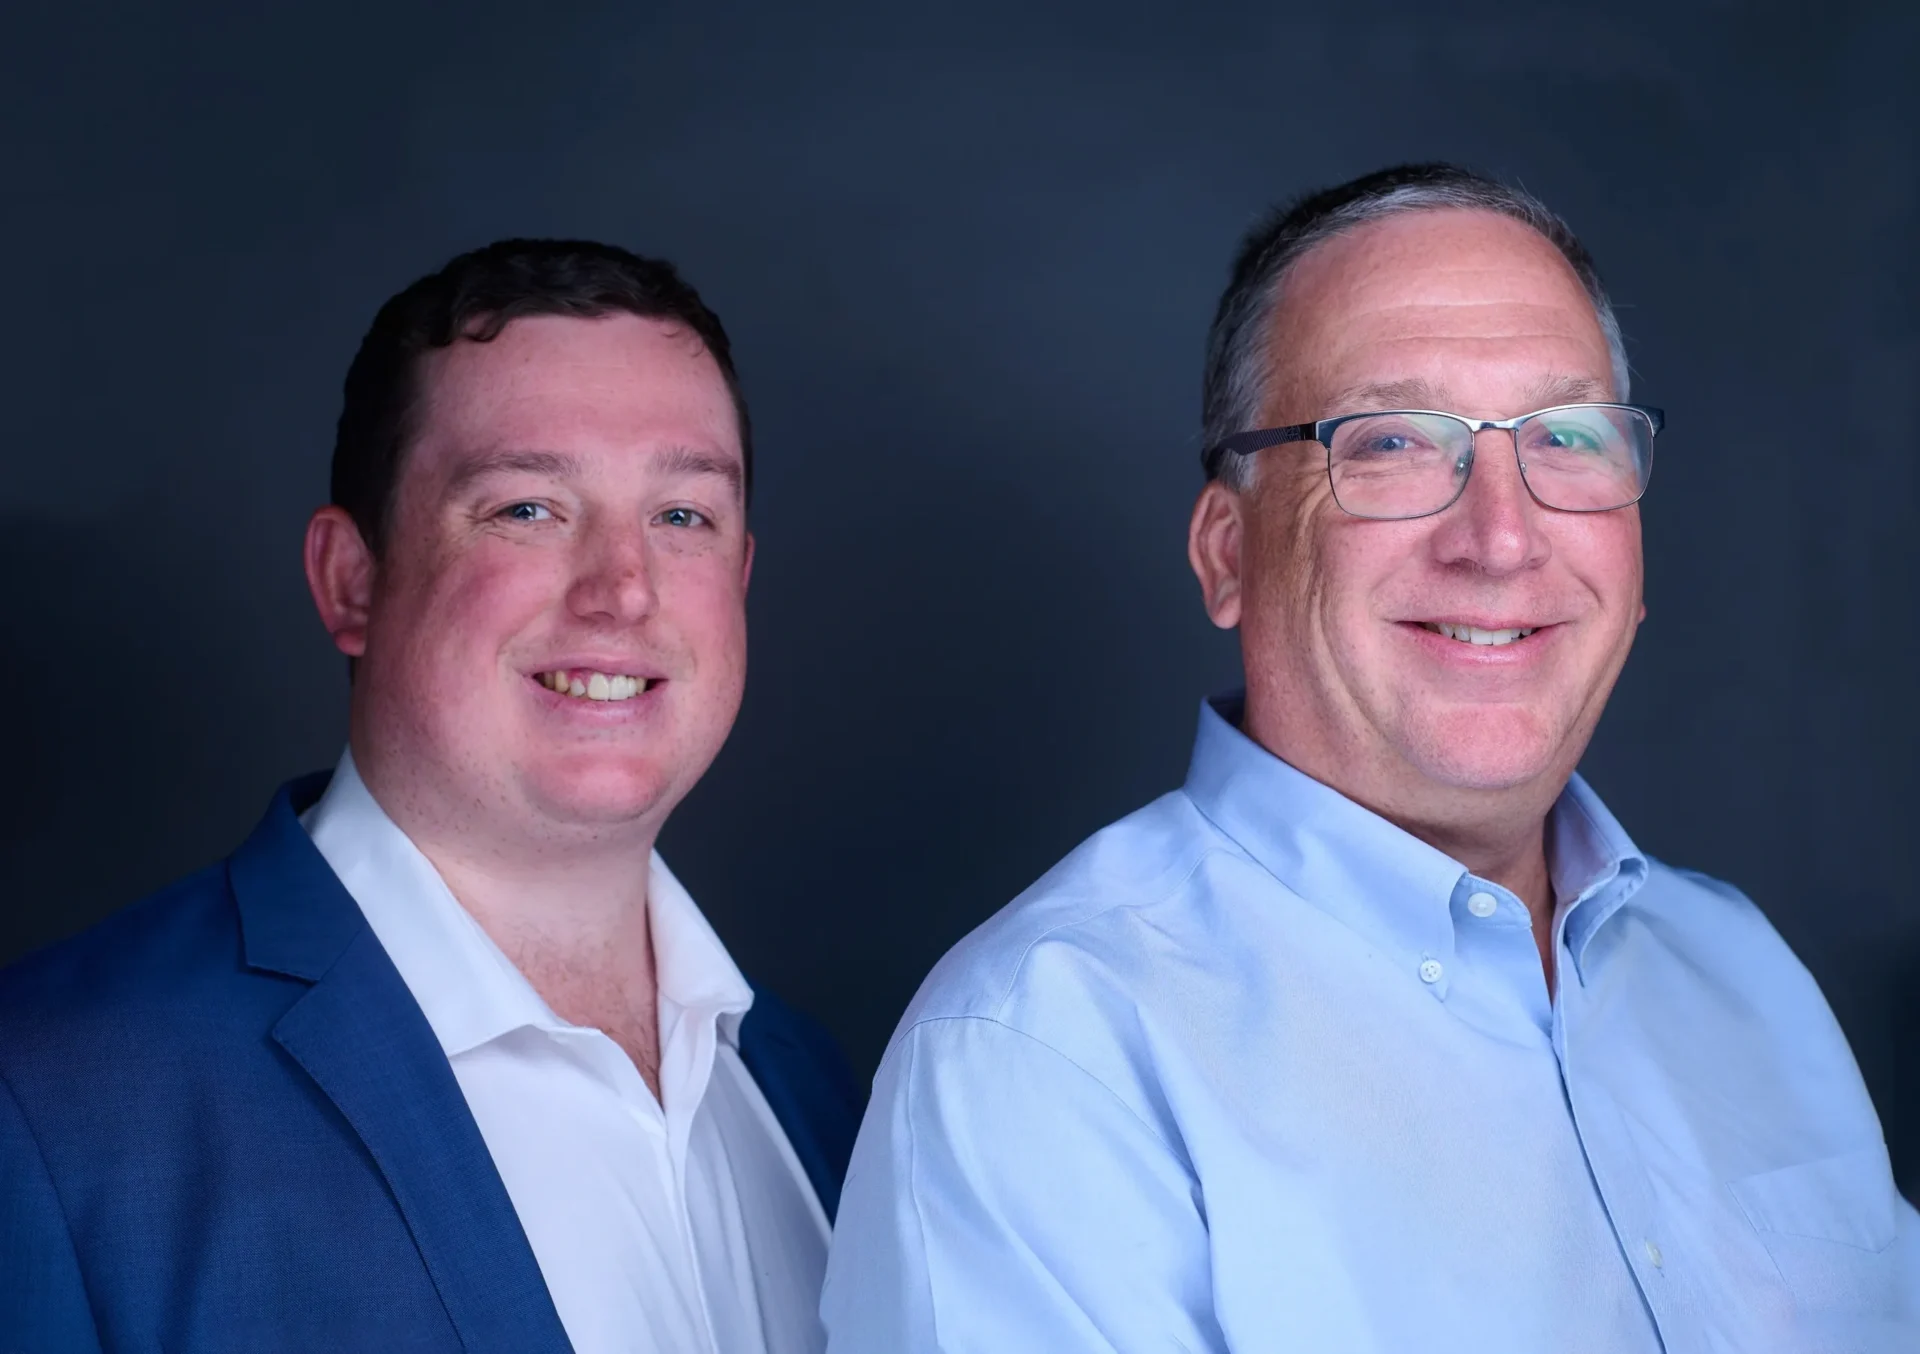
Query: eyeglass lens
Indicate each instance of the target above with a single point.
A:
(1582, 458)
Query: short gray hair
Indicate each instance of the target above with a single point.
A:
(1239, 346)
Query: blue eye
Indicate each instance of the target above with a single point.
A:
(1388, 437)
(682, 517)
(526, 512)
(1569, 437)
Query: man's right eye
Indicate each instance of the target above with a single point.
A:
(526, 512)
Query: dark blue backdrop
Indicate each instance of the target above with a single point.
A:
(968, 258)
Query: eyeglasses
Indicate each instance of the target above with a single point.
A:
(1414, 462)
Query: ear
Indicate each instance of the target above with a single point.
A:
(340, 570)
(746, 566)
(1213, 549)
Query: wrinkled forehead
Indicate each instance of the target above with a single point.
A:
(1465, 301)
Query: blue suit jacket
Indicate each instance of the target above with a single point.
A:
(226, 1125)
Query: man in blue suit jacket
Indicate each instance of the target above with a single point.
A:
(443, 1057)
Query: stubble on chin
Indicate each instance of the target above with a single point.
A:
(1484, 750)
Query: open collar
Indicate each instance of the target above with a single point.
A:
(1596, 869)
(470, 992)
(360, 1035)
(1378, 880)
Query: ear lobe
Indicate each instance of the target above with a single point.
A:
(1213, 549)
(340, 570)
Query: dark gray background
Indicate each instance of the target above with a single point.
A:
(967, 259)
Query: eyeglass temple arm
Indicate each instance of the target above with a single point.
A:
(1245, 444)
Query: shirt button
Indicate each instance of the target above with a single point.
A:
(1430, 970)
(1482, 904)
(1653, 1254)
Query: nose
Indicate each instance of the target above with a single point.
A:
(1496, 526)
(613, 577)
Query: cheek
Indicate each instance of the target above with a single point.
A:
(722, 627)
(1605, 556)
(462, 611)
(1333, 575)
(703, 605)
(1282, 620)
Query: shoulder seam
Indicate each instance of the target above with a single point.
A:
(1118, 1099)
(1013, 974)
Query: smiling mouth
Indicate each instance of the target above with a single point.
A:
(585, 684)
(1473, 634)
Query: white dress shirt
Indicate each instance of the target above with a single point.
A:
(684, 1225)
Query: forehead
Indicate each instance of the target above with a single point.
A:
(1461, 300)
(617, 383)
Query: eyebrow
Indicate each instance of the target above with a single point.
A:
(688, 461)
(1376, 395)
(551, 464)
(1421, 394)
(1551, 390)
(561, 465)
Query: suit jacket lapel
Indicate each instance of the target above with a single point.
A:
(362, 1038)
(809, 1088)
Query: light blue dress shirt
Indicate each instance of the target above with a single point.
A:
(1255, 1070)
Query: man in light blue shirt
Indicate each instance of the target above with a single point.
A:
(1380, 1034)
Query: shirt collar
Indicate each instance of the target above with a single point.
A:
(1380, 882)
(1596, 868)
(1377, 879)
(469, 991)
(693, 969)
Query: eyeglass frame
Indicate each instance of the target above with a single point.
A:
(1321, 431)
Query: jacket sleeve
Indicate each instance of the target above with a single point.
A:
(43, 1299)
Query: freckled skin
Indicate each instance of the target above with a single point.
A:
(1486, 312)
(469, 597)
(539, 811)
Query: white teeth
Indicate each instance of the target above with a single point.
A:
(1469, 634)
(595, 686)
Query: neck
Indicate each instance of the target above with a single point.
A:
(569, 911)
(1499, 835)
(1518, 863)
(582, 908)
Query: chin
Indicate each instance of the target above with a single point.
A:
(607, 793)
(1483, 748)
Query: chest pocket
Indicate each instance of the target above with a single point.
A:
(1828, 1225)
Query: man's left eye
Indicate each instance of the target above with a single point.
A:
(526, 512)
(681, 517)
(1570, 438)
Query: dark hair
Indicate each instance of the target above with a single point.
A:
(1238, 358)
(475, 297)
